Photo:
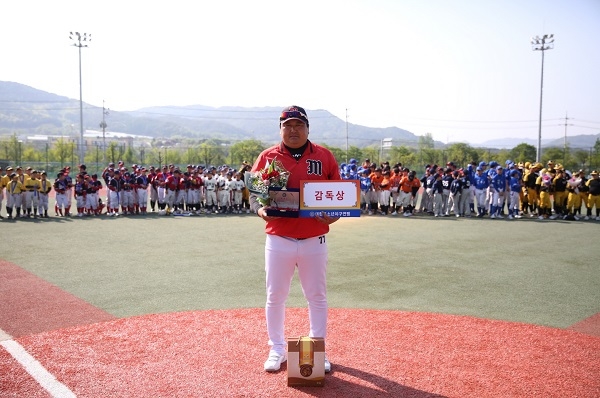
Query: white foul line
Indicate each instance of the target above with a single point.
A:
(37, 371)
(4, 335)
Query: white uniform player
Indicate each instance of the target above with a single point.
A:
(237, 187)
(46, 187)
(226, 194)
(210, 185)
(142, 191)
(222, 193)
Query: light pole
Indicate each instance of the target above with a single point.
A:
(542, 44)
(79, 40)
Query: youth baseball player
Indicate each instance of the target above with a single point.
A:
(13, 196)
(45, 188)
(32, 193)
(61, 188)
(3, 181)
(210, 185)
(237, 187)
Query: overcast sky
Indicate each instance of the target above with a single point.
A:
(462, 70)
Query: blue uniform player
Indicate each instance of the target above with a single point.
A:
(366, 191)
(515, 190)
(497, 191)
(481, 183)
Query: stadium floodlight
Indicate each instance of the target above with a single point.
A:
(546, 42)
(80, 40)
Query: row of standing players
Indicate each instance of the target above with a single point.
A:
(521, 188)
(516, 189)
(170, 191)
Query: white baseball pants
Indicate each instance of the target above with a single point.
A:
(282, 257)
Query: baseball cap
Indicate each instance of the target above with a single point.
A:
(293, 112)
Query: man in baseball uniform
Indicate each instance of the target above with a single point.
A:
(295, 242)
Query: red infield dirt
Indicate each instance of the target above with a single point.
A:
(220, 353)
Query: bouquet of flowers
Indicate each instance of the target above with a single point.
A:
(274, 175)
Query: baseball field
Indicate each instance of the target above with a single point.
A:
(141, 306)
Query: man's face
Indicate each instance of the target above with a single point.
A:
(294, 133)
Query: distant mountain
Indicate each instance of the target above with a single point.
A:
(575, 141)
(25, 110)
(262, 124)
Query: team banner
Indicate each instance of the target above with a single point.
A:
(336, 198)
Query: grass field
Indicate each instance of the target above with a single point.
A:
(540, 272)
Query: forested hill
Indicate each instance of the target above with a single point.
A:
(26, 110)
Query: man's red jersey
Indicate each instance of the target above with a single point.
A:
(316, 163)
(172, 182)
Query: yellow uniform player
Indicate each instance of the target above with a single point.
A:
(593, 195)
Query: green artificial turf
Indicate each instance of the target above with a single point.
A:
(541, 272)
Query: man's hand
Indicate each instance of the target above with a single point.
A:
(325, 219)
(262, 213)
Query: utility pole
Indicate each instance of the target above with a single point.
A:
(565, 144)
(546, 42)
(103, 125)
(79, 40)
(346, 135)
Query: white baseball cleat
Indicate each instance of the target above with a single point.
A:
(273, 363)
(327, 365)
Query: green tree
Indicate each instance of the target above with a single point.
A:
(595, 155)
(372, 153)
(430, 156)
(462, 154)
(245, 151)
(60, 152)
(192, 155)
(580, 159)
(13, 149)
(554, 154)
(355, 152)
(405, 155)
(426, 141)
(523, 153)
(501, 156)
(427, 152)
(30, 154)
(338, 153)
(129, 155)
(211, 153)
